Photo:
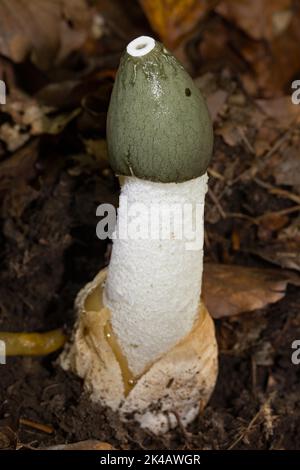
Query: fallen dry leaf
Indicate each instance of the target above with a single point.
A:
(172, 20)
(265, 138)
(229, 289)
(260, 20)
(215, 102)
(287, 170)
(273, 221)
(13, 136)
(271, 48)
(31, 118)
(230, 133)
(274, 64)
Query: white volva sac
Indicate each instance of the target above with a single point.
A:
(153, 286)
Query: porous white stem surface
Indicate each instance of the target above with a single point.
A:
(153, 285)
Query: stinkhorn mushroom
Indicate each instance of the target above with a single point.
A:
(144, 343)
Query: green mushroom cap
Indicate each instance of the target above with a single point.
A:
(158, 125)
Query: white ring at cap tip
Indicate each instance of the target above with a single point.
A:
(140, 46)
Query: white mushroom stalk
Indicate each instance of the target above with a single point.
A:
(154, 279)
(144, 343)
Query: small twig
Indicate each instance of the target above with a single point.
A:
(217, 203)
(207, 240)
(289, 210)
(215, 174)
(245, 140)
(253, 421)
(278, 191)
(257, 220)
(253, 374)
(186, 434)
(38, 426)
(244, 434)
(261, 163)
(239, 215)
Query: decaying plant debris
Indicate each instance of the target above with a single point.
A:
(54, 173)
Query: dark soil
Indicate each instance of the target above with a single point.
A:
(256, 401)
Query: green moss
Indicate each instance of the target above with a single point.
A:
(158, 126)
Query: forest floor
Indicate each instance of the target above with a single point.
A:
(53, 175)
